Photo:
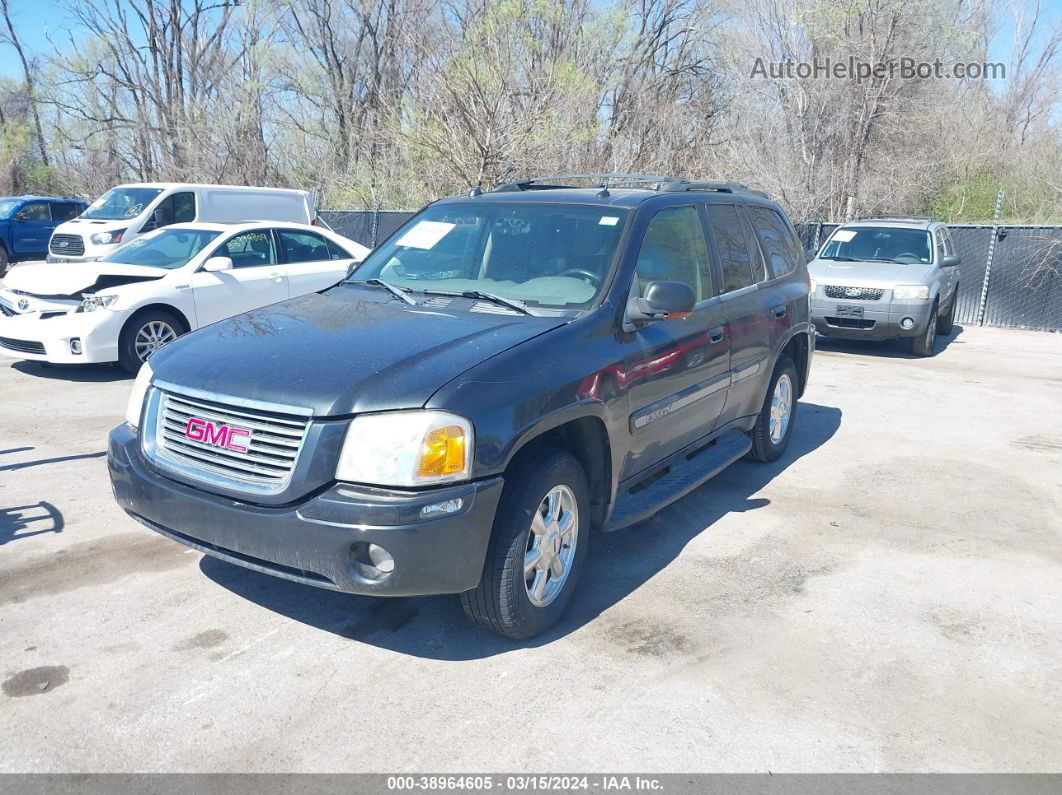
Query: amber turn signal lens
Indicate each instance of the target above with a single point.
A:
(443, 452)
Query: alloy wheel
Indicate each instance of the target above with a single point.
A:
(781, 408)
(151, 337)
(551, 545)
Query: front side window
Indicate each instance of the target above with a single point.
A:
(739, 258)
(674, 249)
(169, 248)
(179, 208)
(249, 250)
(949, 246)
(780, 245)
(542, 254)
(878, 244)
(35, 211)
(121, 203)
(303, 246)
(938, 236)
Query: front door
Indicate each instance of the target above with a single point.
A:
(676, 373)
(255, 280)
(32, 228)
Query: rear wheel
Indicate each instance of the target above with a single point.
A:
(537, 548)
(144, 334)
(774, 425)
(924, 343)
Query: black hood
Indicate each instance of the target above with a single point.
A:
(349, 350)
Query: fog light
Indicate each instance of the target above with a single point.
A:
(907, 323)
(75, 346)
(372, 561)
(449, 506)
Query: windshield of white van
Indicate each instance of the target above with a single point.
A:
(168, 248)
(879, 244)
(538, 254)
(120, 203)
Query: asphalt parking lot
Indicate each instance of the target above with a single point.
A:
(888, 596)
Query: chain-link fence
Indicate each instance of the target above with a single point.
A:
(1009, 275)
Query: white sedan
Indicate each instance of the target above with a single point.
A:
(150, 291)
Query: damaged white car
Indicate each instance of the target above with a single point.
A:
(150, 291)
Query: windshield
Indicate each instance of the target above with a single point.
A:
(119, 203)
(879, 244)
(7, 207)
(554, 255)
(169, 248)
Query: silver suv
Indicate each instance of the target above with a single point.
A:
(886, 278)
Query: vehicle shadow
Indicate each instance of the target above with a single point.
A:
(894, 349)
(619, 563)
(83, 373)
(40, 518)
(58, 460)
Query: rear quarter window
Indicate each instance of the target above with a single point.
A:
(780, 246)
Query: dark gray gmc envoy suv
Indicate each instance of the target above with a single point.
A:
(506, 373)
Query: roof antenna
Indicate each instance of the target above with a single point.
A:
(603, 193)
(475, 191)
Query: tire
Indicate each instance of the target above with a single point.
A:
(925, 343)
(946, 322)
(771, 433)
(502, 602)
(5, 262)
(131, 346)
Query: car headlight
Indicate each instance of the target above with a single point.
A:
(911, 291)
(136, 399)
(90, 303)
(814, 286)
(106, 238)
(406, 448)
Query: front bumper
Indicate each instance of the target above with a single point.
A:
(28, 334)
(315, 541)
(881, 319)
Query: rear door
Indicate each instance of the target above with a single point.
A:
(31, 228)
(256, 279)
(676, 371)
(310, 261)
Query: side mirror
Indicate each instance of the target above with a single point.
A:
(20, 217)
(950, 261)
(215, 264)
(662, 300)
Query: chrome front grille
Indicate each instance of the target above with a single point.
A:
(67, 245)
(854, 293)
(192, 435)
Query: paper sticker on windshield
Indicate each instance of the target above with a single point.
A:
(608, 220)
(844, 235)
(425, 234)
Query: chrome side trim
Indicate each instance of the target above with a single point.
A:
(672, 403)
(747, 371)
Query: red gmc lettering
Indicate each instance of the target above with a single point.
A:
(217, 435)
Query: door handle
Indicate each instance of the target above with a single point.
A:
(716, 334)
(277, 277)
(779, 311)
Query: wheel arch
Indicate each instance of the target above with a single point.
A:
(158, 306)
(798, 348)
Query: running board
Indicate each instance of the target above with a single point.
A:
(683, 476)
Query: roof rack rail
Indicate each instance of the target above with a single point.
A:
(660, 183)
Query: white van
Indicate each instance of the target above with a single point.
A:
(124, 213)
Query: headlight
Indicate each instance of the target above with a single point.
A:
(106, 238)
(814, 286)
(406, 448)
(136, 399)
(911, 291)
(90, 303)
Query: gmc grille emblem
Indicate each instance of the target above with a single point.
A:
(217, 435)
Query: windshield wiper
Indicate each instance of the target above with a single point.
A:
(519, 306)
(397, 292)
(842, 259)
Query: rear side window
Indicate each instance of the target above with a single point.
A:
(250, 250)
(737, 252)
(674, 249)
(779, 244)
(335, 251)
(61, 211)
(303, 246)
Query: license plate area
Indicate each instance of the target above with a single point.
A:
(849, 310)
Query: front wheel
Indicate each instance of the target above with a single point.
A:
(5, 262)
(145, 334)
(774, 425)
(925, 343)
(946, 322)
(537, 549)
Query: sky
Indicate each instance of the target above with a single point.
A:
(35, 19)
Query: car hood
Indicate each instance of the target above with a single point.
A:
(62, 280)
(867, 274)
(345, 351)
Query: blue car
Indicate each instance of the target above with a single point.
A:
(27, 223)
